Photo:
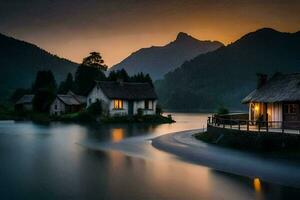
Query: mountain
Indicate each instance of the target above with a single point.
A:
(225, 76)
(19, 62)
(159, 60)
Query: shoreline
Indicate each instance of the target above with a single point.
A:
(188, 148)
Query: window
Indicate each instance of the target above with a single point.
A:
(55, 107)
(290, 108)
(148, 104)
(90, 100)
(118, 104)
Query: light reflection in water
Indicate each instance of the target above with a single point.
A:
(43, 162)
(257, 185)
(117, 135)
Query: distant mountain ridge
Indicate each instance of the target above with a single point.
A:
(20, 60)
(225, 76)
(158, 60)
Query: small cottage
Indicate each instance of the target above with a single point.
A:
(124, 98)
(276, 101)
(67, 103)
(25, 103)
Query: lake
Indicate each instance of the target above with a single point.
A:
(116, 161)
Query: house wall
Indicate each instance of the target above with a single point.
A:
(97, 94)
(141, 105)
(61, 108)
(273, 111)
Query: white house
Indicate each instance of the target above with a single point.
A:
(67, 103)
(124, 98)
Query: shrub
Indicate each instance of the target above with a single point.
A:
(159, 110)
(95, 108)
(222, 110)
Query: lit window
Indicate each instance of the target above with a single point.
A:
(118, 104)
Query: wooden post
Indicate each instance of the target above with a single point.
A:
(267, 126)
(239, 125)
(247, 125)
(259, 126)
(282, 127)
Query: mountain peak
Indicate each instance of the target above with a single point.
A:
(183, 36)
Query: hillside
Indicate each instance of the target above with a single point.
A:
(157, 61)
(226, 75)
(19, 62)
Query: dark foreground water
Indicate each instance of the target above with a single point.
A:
(60, 161)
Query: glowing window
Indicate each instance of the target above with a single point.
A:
(118, 104)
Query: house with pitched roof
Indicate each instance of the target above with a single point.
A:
(25, 103)
(124, 98)
(67, 103)
(276, 100)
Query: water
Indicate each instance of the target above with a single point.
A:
(69, 161)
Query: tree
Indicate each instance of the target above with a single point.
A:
(142, 78)
(117, 75)
(44, 89)
(94, 60)
(66, 85)
(44, 80)
(88, 72)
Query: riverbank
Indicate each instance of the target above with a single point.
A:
(188, 148)
(279, 145)
(85, 117)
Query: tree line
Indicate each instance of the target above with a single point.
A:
(90, 70)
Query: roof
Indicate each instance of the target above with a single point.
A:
(68, 99)
(81, 99)
(127, 90)
(28, 98)
(280, 88)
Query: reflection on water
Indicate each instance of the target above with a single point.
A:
(257, 185)
(49, 162)
(117, 135)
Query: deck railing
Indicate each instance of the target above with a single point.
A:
(254, 125)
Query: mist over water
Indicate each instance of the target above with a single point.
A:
(116, 161)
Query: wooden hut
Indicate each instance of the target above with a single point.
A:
(276, 100)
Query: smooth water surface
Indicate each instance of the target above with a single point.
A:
(69, 161)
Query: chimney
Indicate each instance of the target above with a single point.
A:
(261, 80)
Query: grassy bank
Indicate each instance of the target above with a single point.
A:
(84, 117)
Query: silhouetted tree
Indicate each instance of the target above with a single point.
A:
(66, 85)
(94, 60)
(117, 75)
(44, 88)
(44, 80)
(88, 72)
(142, 78)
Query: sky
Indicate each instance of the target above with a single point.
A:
(117, 28)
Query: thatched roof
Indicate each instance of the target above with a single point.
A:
(279, 88)
(68, 99)
(28, 98)
(126, 90)
(81, 99)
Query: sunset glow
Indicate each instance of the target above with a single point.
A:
(118, 28)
